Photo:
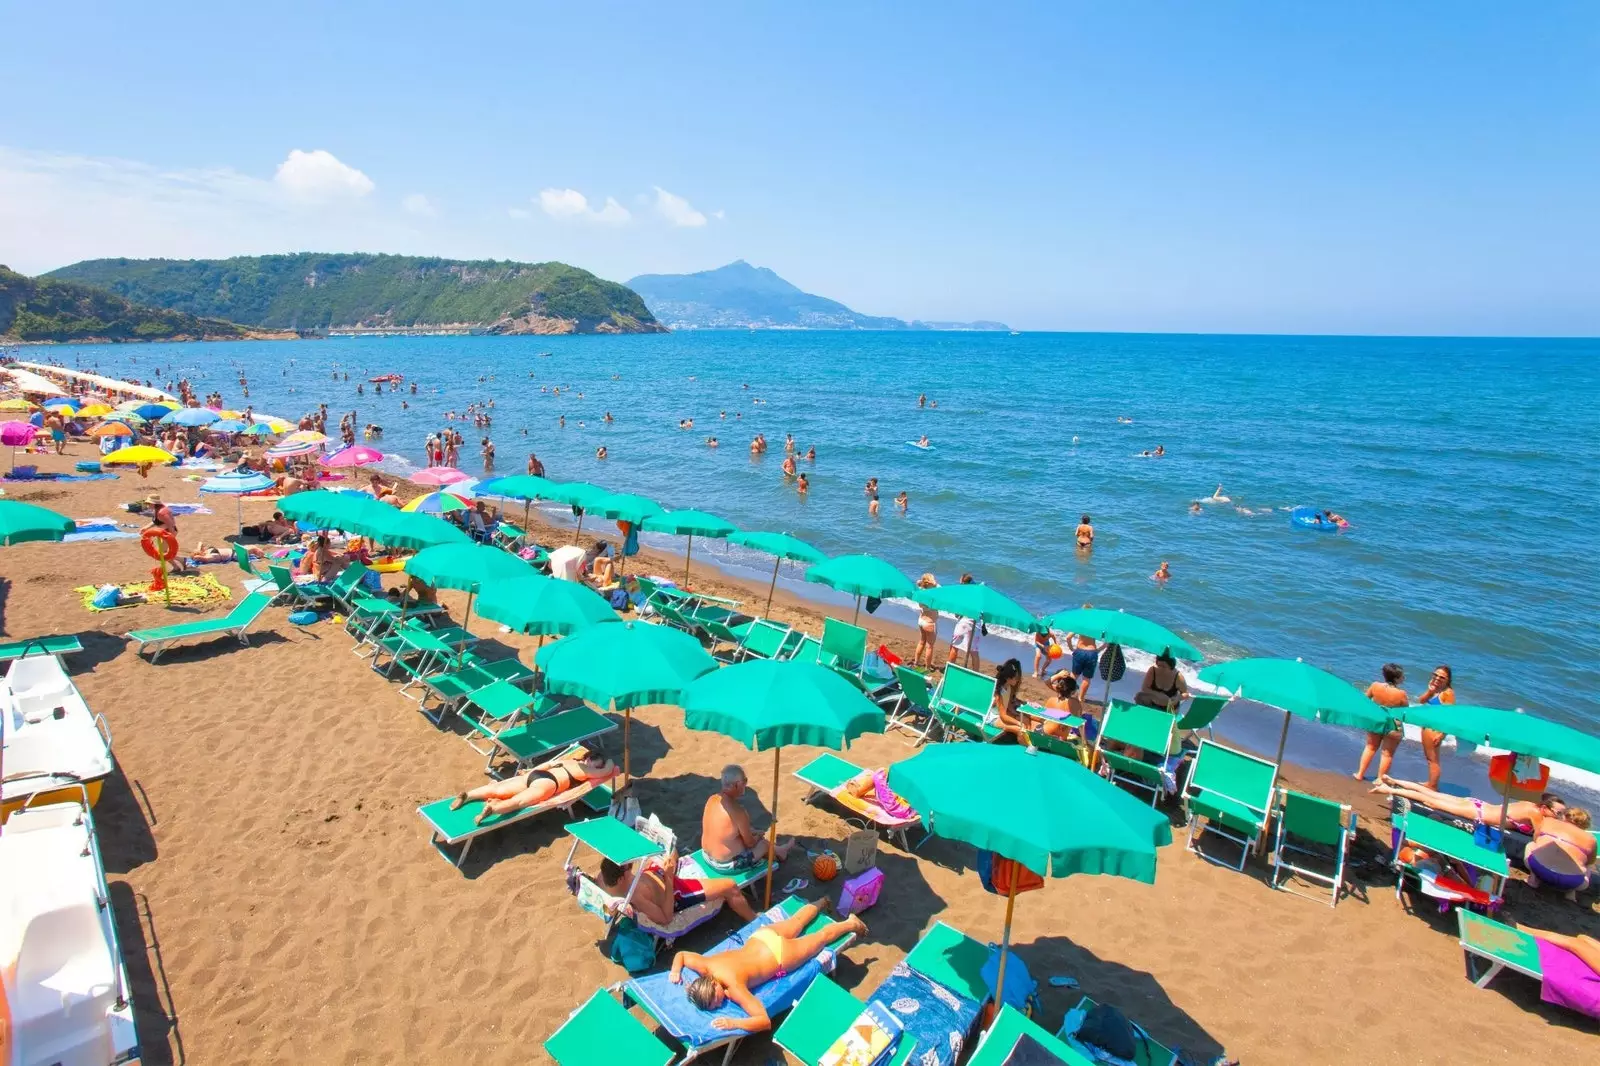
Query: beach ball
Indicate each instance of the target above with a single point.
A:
(1054, 651)
(825, 867)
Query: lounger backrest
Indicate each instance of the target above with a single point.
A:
(808, 650)
(764, 639)
(1202, 711)
(914, 686)
(1138, 726)
(248, 608)
(348, 579)
(967, 689)
(1312, 817)
(241, 555)
(1246, 778)
(281, 578)
(845, 642)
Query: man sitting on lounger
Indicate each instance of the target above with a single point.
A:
(730, 843)
(660, 893)
(537, 786)
(772, 951)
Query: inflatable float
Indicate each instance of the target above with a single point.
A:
(920, 447)
(1311, 518)
(393, 379)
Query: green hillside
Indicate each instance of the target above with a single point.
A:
(46, 309)
(313, 291)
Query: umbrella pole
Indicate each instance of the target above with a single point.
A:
(1005, 944)
(238, 504)
(772, 830)
(688, 554)
(776, 562)
(467, 621)
(579, 533)
(855, 618)
(627, 750)
(1283, 737)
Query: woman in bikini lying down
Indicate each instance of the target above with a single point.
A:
(539, 785)
(771, 952)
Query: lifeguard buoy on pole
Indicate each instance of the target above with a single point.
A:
(160, 544)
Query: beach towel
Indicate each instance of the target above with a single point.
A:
(188, 508)
(187, 591)
(1568, 981)
(61, 477)
(937, 1018)
(99, 529)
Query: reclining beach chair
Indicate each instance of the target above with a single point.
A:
(452, 827)
(643, 844)
(1147, 1050)
(596, 1030)
(999, 1042)
(1232, 791)
(963, 705)
(829, 775)
(767, 640)
(1496, 946)
(531, 741)
(53, 645)
(939, 990)
(298, 594)
(844, 648)
(254, 580)
(1313, 820)
(1442, 841)
(909, 706)
(467, 675)
(1152, 732)
(807, 650)
(1200, 713)
(235, 623)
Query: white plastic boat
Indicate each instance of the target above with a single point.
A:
(49, 733)
(65, 987)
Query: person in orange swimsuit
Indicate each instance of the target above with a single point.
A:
(772, 951)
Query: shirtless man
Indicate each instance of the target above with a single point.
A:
(772, 951)
(539, 785)
(660, 894)
(788, 466)
(730, 843)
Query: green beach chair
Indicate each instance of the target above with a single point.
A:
(296, 594)
(829, 775)
(1200, 713)
(1305, 819)
(768, 640)
(1232, 790)
(844, 646)
(1496, 946)
(53, 645)
(910, 709)
(647, 841)
(460, 826)
(963, 704)
(531, 741)
(1147, 1050)
(508, 537)
(469, 675)
(253, 579)
(235, 623)
(807, 650)
(1151, 731)
(998, 1042)
(603, 1033)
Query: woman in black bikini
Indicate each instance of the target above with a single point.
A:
(540, 785)
(1163, 685)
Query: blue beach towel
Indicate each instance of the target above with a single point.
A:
(936, 1018)
(668, 1004)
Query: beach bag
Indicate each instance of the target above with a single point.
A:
(996, 873)
(1112, 664)
(631, 947)
(860, 892)
(303, 618)
(1106, 1028)
(618, 598)
(107, 597)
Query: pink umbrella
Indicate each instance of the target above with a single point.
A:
(355, 455)
(17, 434)
(439, 475)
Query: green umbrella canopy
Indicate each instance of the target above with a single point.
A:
(467, 567)
(576, 493)
(542, 606)
(688, 522)
(1118, 627)
(331, 510)
(862, 575)
(21, 522)
(1300, 689)
(624, 506)
(517, 487)
(401, 529)
(765, 704)
(779, 545)
(980, 602)
(1046, 812)
(630, 664)
(1514, 731)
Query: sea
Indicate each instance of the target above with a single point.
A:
(1467, 469)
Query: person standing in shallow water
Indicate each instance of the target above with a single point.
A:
(1085, 534)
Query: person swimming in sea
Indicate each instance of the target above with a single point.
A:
(903, 502)
(922, 441)
(1163, 573)
(788, 467)
(600, 452)
(711, 442)
(803, 485)
(811, 455)
(1217, 497)
(1194, 507)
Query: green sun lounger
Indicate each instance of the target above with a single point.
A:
(530, 741)
(1147, 1050)
(1200, 713)
(909, 706)
(698, 866)
(1009, 1027)
(962, 705)
(53, 645)
(1149, 730)
(1233, 792)
(768, 640)
(470, 674)
(460, 826)
(299, 593)
(1311, 820)
(602, 1031)
(828, 775)
(1484, 940)
(235, 623)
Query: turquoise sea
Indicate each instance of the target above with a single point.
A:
(1467, 467)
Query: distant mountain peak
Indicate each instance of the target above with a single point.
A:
(741, 296)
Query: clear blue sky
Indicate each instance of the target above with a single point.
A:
(1252, 167)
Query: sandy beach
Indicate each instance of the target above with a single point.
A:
(280, 902)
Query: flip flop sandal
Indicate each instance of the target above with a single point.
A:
(795, 886)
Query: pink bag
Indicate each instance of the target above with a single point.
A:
(861, 891)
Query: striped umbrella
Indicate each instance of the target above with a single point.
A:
(293, 449)
(438, 503)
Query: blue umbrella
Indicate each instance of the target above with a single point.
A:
(229, 425)
(238, 482)
(36, 419)
(192, 416)
(152, 410)
(260, 429)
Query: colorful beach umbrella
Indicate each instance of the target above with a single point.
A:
(980, 603)
(354, 455)
(21, 522)
(1300, 689)
(274, 425)
(780, 546)
(258, 429)
(237, 483)
(623, 666)
(768, 704)
(61, 407)
(861, 575)
(191, 416)
(95, 410)
(309, 436)
(689, 523)
(111, 429)
(151, 410)
(17, 403)
(542, 606)
(139, 453)
(437, 503)
(1057, 818)
(293, 449)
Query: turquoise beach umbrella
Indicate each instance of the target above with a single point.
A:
(780, 546)
(542, 606)
(466, 567)
(979, 602)
(21, 522)
(1300, 689)
(861, 575)
(689, 523)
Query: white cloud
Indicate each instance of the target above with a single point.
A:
(418, 204)
(319, 176)
(676, 210)
(572, 204)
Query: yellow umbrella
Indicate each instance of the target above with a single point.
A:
(17, 405)
(230, 414)
(95, 410)
(139, 453)
(111, 429)
(57, 407)
(309, 436)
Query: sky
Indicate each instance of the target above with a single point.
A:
(1266, 167)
